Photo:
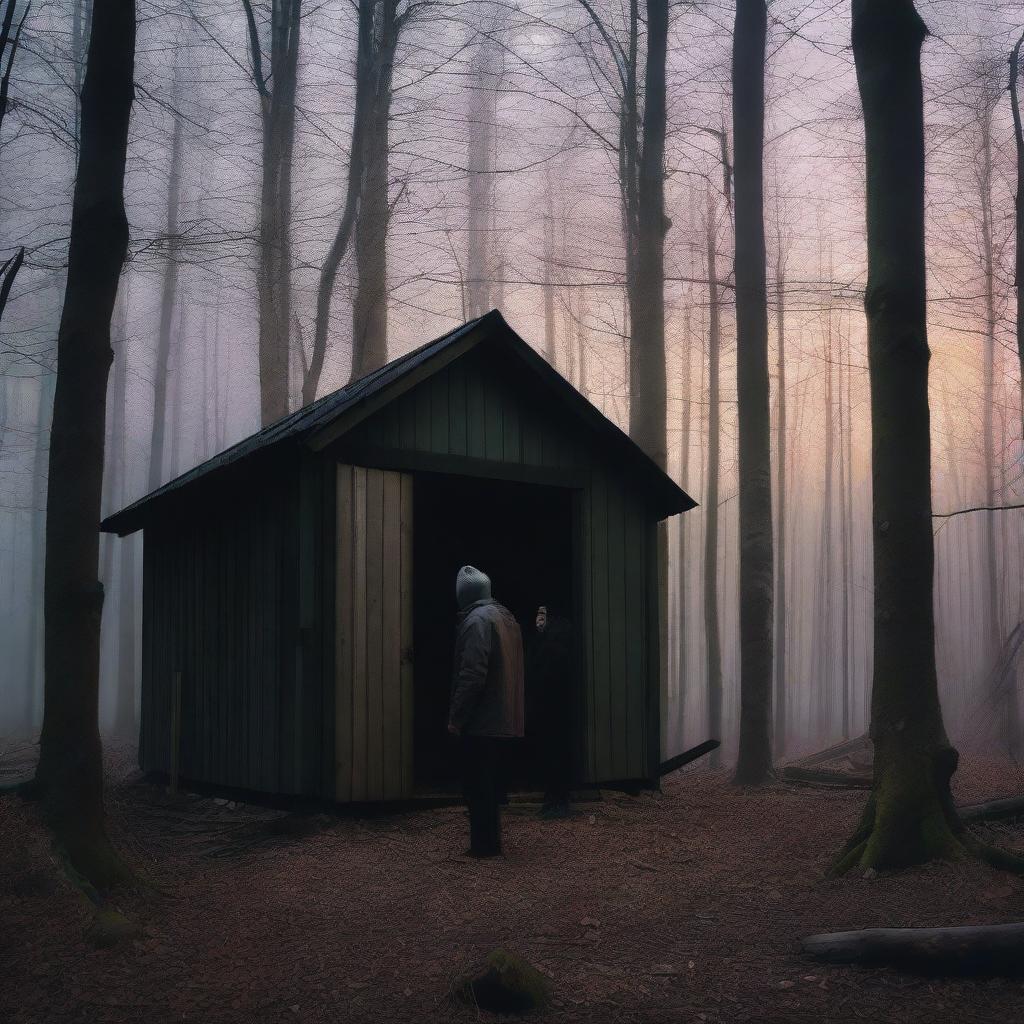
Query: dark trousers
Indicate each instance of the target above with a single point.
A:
(481, 788)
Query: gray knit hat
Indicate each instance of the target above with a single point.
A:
(471, 585)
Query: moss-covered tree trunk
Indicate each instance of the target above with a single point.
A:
(70, 776)
(910, 816)
(754, 765)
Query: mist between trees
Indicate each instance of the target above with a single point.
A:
(313, 188)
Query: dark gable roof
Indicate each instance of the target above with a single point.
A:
(301, 426)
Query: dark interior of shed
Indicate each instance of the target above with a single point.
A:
(521, 536)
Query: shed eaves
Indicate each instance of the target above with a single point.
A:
(299, 425)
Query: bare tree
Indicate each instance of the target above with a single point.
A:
(277, 89)
(641, 157)
(366, 211)
(8, 51)
(1018, 275)
(168, 299)
(780, 709)
(712, 640)
(69, 776)
(487, 71)
(987, 99)
(754, 764)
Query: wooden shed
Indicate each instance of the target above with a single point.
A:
(299, 602)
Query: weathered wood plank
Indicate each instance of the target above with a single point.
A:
(373, 596)
(635, 625)
(618, 612)
(391, 615)
(344, 624)
(439, 412)
(511, 438)
(601, 667)
(476, 446)
(421, 396)
(494, 439)
(457, 424)
(406, 611)
(360, 718)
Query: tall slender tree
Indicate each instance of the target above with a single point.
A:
(69, 776)
(1018, 274)
(370, 305)
(486, 71)
(640, 153)
(168, 298)
(780, 707)
(988, 96)
(712, 638)
(754, 763)
(276, 87)
(366, 211)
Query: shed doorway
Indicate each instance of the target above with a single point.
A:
(521, 535)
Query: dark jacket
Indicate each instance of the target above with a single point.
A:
(549, 673)
(487, 687)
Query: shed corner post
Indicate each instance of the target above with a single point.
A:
(657, 679)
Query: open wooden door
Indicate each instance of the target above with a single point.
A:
(373, 662)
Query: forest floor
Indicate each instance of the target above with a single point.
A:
(682, 906)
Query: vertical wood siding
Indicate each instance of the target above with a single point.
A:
(291, 685)
(223, 606)
(373, 688)
(480, 410)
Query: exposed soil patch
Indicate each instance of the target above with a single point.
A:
(684, 906)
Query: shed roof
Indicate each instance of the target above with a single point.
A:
(311, 424)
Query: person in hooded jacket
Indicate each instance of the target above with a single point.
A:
(549, 674)
(486, 707)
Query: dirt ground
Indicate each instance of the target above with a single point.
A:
(675, 907)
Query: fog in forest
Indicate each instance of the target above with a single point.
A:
(492, 177)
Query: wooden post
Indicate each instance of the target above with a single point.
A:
(175, 732)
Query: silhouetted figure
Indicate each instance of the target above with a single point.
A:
(487, 701)
(549, 674)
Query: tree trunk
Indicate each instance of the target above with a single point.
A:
(977, 949)
(1018, 274)
(70, 771)
(35, 639)
(993, 611)
(686, 386)
(549, 273)
(168, 303)
(124, 703)
(780, 710)
(277, 114)
(910, 816)
(647, 294)
(845, 518)
(481, 118)
(367, 58)
(370, 308)
(711, 628)
(824, 670)
(754, 765)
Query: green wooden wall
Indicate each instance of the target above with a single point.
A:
(230, 603)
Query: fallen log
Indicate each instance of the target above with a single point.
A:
(980, 949)
(993, 810)
(687, 756)
(824, 777)
(859, 744)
